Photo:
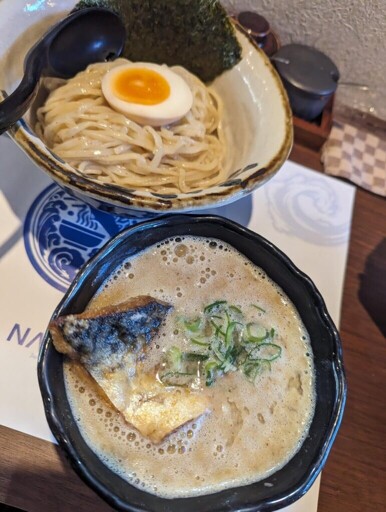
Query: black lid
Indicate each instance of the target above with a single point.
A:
(254, 23)
(307, 69)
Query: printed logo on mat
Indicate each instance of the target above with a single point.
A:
(61, 233)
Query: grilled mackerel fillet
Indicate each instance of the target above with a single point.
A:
(108, 343)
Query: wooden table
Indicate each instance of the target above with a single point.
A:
(35, 477)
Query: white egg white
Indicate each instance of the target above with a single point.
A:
(166, 112)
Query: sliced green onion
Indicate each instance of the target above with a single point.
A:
(178, 378)
(193, 326)
(266, 351)
(201, 342)
(214, 305)
(242, 357)
(223, 343)
(265, 364)
(233, 351)
(193, 356)
(251, 370)
(227, 366)
(210, 365)
(229, 333)
(258, 308)
(256, 333)
(174, 358)
(218, 354)
(218, 329)
(210, 369)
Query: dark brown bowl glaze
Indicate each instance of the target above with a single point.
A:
(286, 485)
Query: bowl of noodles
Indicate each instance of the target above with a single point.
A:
(234, 134)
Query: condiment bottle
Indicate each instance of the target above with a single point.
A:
(309, 76)
(258, 28)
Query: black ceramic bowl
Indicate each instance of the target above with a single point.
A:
(297, 476)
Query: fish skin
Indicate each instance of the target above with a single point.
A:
(103, 337)
(108, 343)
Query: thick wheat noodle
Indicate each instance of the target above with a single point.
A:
(80, 127)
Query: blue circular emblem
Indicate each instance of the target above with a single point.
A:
(61, 233)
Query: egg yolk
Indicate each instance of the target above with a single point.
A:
(140, 85)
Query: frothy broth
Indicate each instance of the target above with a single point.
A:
(253, 429)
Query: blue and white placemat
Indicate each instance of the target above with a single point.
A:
(46, 235)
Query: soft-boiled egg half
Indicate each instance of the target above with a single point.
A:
(147, 93)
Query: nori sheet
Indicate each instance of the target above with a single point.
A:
(196, 34)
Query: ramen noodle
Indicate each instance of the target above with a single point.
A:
(104, 145)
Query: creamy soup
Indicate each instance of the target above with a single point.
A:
(254, 426)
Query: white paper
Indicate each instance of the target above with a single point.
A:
(306, 214)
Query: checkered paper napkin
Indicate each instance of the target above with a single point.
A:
(356, 155)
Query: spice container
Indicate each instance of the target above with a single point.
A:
(309, 76)
(258, 28)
